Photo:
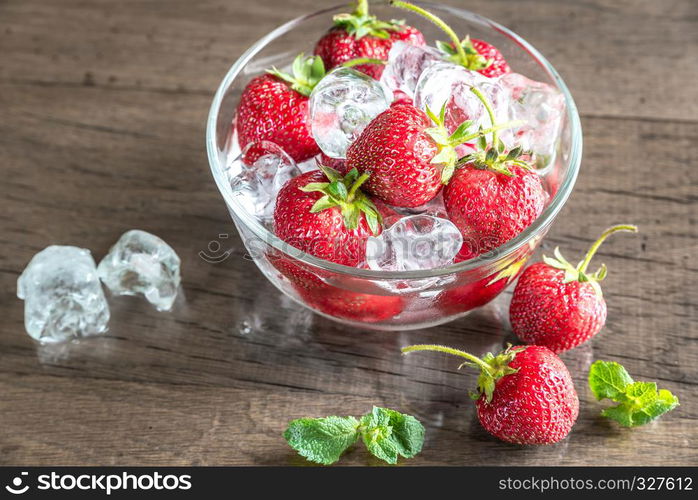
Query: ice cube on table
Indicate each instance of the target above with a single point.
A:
(542, 108)
(140, 263)
(406, 63)
(263, 169)
(449, 83)
(63, 298)
(341, 106)
(414, 242)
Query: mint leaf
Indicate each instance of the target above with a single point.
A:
(639, 402)
(322, 440)
(608, 379)
(389, 434)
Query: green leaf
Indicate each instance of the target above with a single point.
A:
(608, 379)
(322, 204)
(445, 47)
(639, 402)
(389, 434)
(315, 186)
(322, 440)
(338, 190)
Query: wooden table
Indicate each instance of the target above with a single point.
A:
(103, 106)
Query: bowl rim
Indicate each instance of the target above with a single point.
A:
(494, 256)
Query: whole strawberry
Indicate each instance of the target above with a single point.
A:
(525, 394)
(558, 305)
(361, 36)
(274, 107)
(473, 54)
(408, 154)
(326, 215)
(493, 195)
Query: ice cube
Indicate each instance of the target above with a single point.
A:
(542, 108)
(263, 169)
(341, 106)
(450, 83)
(63, 298)
(406, 63)
(140, 263)
(414, 242)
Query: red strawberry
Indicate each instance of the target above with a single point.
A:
(362, 36)
(558, 305)
(490, 206)
(480, 56)
(274, 107)
(476, 294)
(525, 394)
(407, 156)
(339, 164)
(327, 215)
(354, 306)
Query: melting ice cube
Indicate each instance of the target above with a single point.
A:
(406, 63)
(542, 108)
(414, 242)
(450, 84)
(264, 167)
(341, 106)
(140, 263)
(63, 298)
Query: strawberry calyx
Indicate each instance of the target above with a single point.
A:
(360, 23)
(307, 73)
(345, 193)
(492, 367)
(494, 156)
(447, 156)
(472, 61)
(579, 272)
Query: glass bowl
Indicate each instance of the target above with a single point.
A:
(385, 300)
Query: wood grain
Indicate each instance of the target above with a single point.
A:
(103, 109)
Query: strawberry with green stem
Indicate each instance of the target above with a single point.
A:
(274, 107)
(409, 154)
(559, 305)
(361, 36)
(328, 216)
(525, 394)
(494, 194)
(473, 54)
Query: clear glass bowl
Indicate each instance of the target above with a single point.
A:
(379, 299)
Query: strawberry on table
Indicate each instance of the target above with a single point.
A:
(361, 36)
(274, 107)
(471, 53)
(493, 195)
(558, 305)
(525, 394)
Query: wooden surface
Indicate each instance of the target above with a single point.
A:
(102, 108)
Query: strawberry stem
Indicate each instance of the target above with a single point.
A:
(361, 8)
(490, 112)
(492, 367)
(462, 56)
(448, 350)
(355, 187)
(362, 60)
(608, 232)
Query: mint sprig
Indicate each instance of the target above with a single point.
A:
(638, 402)
(387, 434)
